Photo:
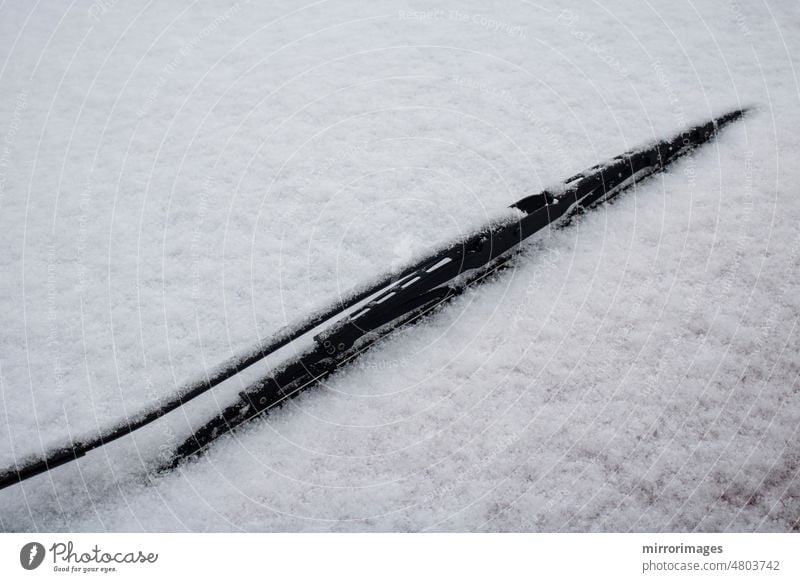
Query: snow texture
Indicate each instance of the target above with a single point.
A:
(179, 180)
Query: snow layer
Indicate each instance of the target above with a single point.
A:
(180, 180)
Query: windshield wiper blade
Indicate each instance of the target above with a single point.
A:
(391, 302)
(440, 277)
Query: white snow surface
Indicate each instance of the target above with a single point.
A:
(181, 179)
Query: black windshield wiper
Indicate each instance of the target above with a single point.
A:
(363, 317)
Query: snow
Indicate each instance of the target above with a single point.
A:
(178, 182)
